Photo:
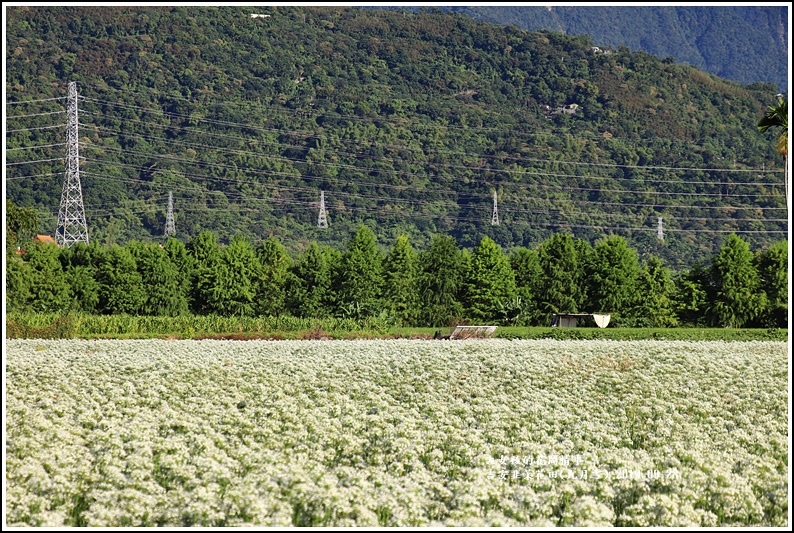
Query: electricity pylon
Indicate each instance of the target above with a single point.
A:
(170, 228)
(495, 216)
(72, 227)
(322, 219)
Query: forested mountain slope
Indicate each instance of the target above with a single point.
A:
(407, 122)
(741, 43)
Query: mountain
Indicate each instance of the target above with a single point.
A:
(408, 122)
(746, 43)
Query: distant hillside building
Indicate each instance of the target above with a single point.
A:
(570, 109)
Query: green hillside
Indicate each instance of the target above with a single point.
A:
(407, 122)
(741, 43)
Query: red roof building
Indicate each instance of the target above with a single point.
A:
(45, 239)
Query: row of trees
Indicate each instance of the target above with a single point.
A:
(433, 287)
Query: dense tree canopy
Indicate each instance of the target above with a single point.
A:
(161, 282)
(406, 123)
(21, 224)
(47, 287)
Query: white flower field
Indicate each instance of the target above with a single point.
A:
(396, 433)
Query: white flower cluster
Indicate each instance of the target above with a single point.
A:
(396, 433)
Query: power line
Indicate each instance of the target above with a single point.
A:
(590, 214)
(33, 176)
(381, 198)
(35, 114)
(425, 216)
(554, 187)
(404, 173)
(35, 147)
(273, 187)
(414, 215)
(415, 202)
(259, 128)
(39, 100)
(430, 203)
(212, 165)
(559, 187)
(37, 161)
(475, 168)
(39, 128)
(556, 214)
(401, 121)
(723, 231)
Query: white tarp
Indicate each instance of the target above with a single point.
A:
(601, 320)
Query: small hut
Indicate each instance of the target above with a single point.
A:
(571, 320)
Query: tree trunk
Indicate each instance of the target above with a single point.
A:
(785, 183)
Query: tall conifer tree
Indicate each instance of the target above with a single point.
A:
(120, 284)
(655, 292)
(205, 256)
(612, 274)
(184, 264)
(18, 279)
(772, 265)
(527, 273)
(161, 282)
(441, 281)
(48, 289)
(559, 291)
(79, 263)
(360, 275)
(490, 283)
(309, 284)
(233, 280)
(738, 297)
(271, 284)
(400, 292)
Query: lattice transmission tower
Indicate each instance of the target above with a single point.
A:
(495, 216)
(72, 227)
(322, 219)
(660, 229)
(170, 228)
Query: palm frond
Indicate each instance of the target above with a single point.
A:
(776, 116)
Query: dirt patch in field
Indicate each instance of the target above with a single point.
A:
(316, 334)
(241, 337)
